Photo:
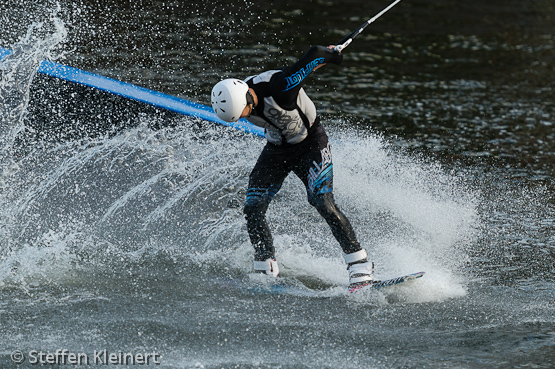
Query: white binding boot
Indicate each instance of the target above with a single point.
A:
(361, 271)
(268, 267)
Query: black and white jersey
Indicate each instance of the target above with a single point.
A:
(284, 110)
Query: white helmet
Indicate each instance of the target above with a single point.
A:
(229, 99)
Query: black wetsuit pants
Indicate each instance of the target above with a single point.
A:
(311, 161)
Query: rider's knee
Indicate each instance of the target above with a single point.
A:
(255, 206)
(324, 203)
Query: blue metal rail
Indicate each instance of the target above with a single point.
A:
(137, 93)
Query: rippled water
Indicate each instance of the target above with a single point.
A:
(121, 225)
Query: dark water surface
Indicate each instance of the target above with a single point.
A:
(121, 225)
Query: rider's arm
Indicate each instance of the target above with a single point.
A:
(292, 78)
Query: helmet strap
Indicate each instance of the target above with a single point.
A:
(250, 98)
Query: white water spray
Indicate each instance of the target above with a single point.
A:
(142, 192)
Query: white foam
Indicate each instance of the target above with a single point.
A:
(49, 259)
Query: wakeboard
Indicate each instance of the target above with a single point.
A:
(294, 287)
(386, 283)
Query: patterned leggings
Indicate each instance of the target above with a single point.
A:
(311, 161)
